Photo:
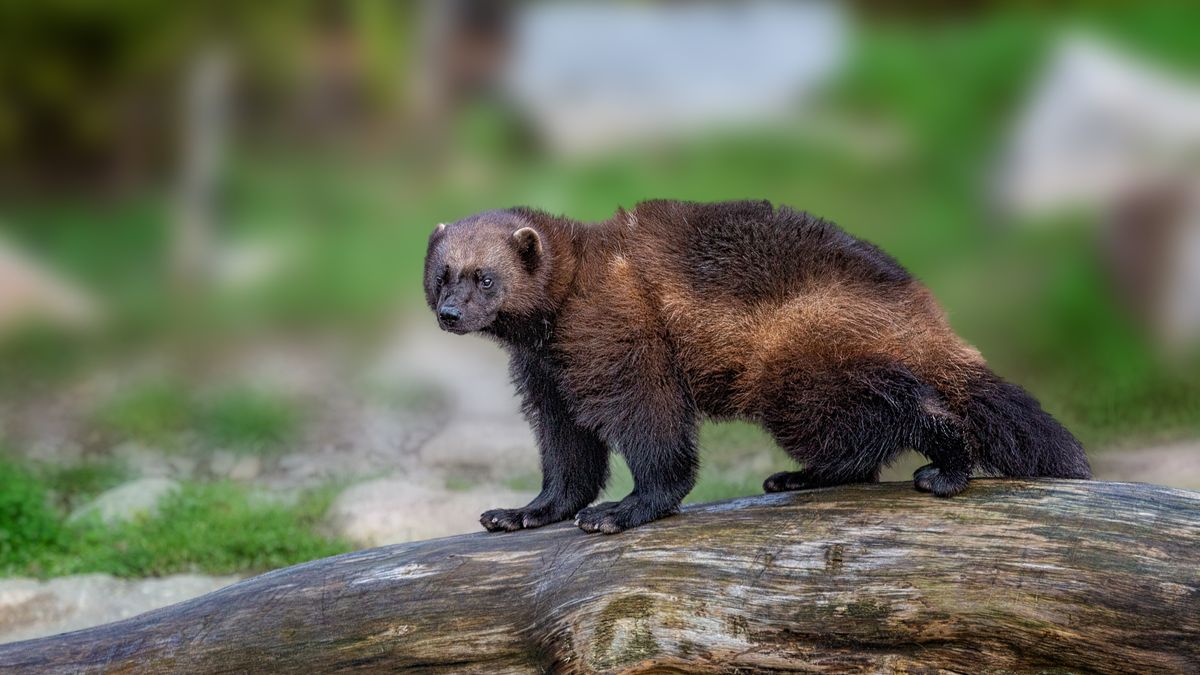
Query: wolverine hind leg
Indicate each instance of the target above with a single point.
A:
(943, 442)
(845, 421)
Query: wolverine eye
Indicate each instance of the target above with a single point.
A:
(485, 283)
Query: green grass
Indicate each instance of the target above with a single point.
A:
(70, 486)
(28, 523)
(248, 420)
(217, 528)
(152, 412)
(41, 355)
(241, 419)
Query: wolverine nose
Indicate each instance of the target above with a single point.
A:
(449, 314)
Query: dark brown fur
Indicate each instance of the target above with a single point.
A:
(624, 333)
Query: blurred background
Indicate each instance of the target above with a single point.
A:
(215, 357)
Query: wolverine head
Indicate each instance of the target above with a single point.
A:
(480, 266)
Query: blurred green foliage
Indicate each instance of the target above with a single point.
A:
(69, 486)
(241, 419)
(247, 419)
(1035, 300)
(90, 90)
(41, 355)
(216, 528)
(152, 412)
(27, 522)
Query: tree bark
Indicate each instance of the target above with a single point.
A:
(1049, 576)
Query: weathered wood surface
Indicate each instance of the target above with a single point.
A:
(1010, 576)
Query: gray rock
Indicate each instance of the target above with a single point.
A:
(597, 75)
(246, 469)
(221, 463)
(181, 466)
(472, 374)
(1176, 465)
(126, 502)
(490, 447)
(394, 510)
(31, 608)
(146, 461)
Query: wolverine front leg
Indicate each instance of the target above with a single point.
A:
(574, 470)
(663, 474)
(574, 460)
(657, 437)
(623, 374)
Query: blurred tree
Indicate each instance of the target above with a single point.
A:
(89, 91)
(82, 86)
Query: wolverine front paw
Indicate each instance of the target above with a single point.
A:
(511, 520)
(614, 517)
(930, 478)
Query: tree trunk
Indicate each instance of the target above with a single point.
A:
(1011, 575)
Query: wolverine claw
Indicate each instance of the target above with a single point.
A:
(508, 520)
(600, 518)
(614, 517)
(588, 519)
(501, 520)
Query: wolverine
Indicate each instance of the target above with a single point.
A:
(624, 334)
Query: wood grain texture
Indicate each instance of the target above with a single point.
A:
(1047, 576)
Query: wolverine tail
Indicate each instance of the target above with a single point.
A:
(1012, 436)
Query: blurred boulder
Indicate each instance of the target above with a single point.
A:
(494, 448)
(591, 75)
(246, 469)
(469, 373)
(394, 510)
(481, 429)
(1109, 134)
(126, 502)
(1152, 248)
(226, 464)
(1099, 124)
(1177, 465)
(30, 292)
(152, 462)
(31, 608)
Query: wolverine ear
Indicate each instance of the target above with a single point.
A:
(529, 247)
(437, 231)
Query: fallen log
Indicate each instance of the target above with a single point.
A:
(1009, 576)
